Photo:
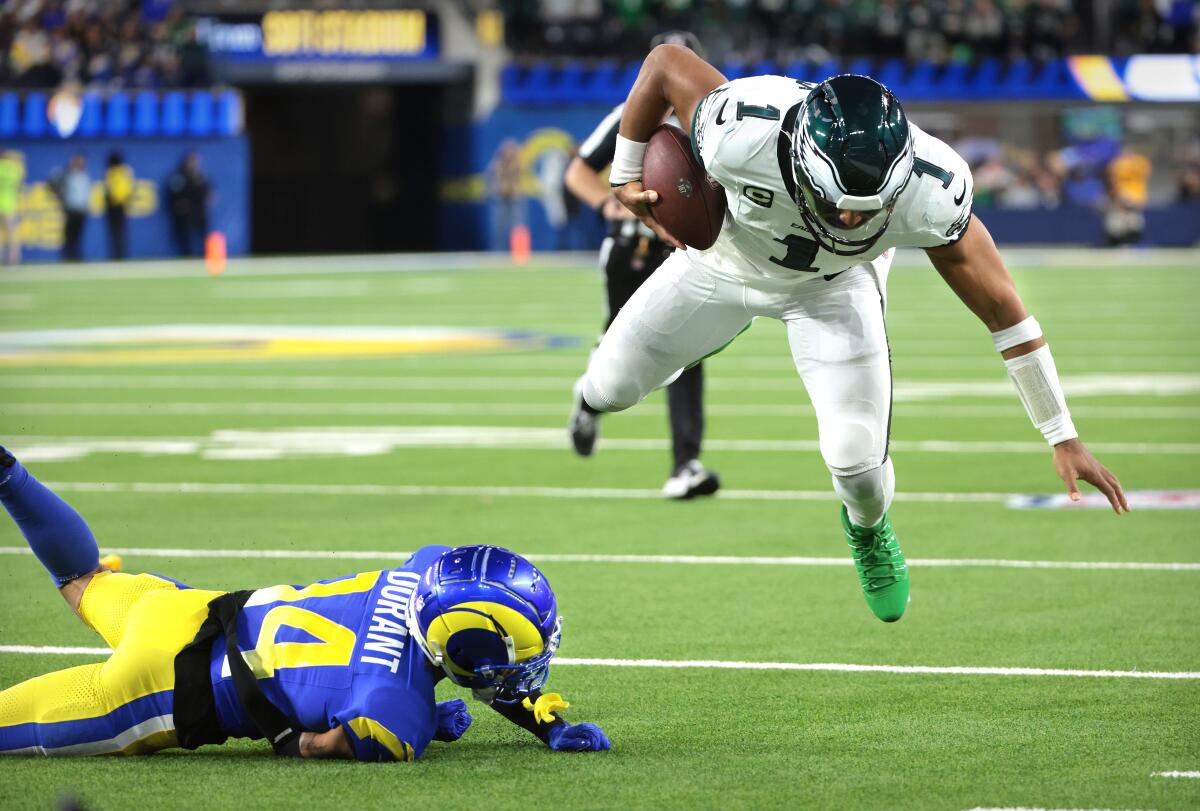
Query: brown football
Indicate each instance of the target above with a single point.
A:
(690, 206)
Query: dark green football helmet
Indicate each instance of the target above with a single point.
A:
(851, 150)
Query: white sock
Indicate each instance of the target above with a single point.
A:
(867, 495)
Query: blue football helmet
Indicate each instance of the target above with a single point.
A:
(488, 618)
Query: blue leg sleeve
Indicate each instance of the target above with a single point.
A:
(56, 533)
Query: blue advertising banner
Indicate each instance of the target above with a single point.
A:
(324, 35)
(151, 227)
(476, 217)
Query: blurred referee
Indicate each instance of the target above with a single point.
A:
(629, 254)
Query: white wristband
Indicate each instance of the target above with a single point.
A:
(1017, 334)
(627, 161)
(1036, 379)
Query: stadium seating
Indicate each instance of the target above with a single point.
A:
(549, 84)
(10, 115)
(170, 114)
(116, 119)
(145, 115)
(200, 114)
(34, 123)
(91, 120)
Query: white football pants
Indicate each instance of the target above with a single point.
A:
(687, 310)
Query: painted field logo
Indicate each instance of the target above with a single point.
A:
(198, 343)
(1138, 500)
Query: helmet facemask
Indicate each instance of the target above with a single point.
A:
(853, 157)
(497, 642)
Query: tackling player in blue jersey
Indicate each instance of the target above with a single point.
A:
(342, 668)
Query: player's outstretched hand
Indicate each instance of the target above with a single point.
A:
(1073, 462)
(578, 738)
(453, 719)
(614, 209)
(638, 200)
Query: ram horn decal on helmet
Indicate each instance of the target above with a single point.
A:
(488, 619)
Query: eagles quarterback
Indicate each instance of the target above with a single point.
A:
(341, 668)
(822, 183)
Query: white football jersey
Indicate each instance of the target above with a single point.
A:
(742, 136)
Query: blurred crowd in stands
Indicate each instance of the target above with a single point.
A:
(99, 43)
(817, 29)
(1103, 175)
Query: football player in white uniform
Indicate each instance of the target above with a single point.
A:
(822, 183)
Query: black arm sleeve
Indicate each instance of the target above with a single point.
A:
(522, 717)
(598, 149)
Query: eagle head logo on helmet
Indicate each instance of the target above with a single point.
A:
(851, 151)
(487, 617)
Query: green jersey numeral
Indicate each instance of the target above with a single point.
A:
(923, 167)
(754, 111)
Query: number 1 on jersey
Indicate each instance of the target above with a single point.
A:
(924, 167)
(800, 253)
(768, 112)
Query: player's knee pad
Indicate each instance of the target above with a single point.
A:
(618, 377)
(850, 447)
(612, 394)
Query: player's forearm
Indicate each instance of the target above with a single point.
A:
(585, 184)
(1003, 314)
(526, 717)
(671, 78)
(973, 269)
(331, 744)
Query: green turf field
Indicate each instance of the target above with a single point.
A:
(229, 445)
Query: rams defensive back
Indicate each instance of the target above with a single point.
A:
(339, 668)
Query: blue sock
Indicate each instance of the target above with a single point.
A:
(56, 533)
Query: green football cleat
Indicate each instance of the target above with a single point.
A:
(882, 571)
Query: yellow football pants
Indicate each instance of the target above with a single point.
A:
(124, 705)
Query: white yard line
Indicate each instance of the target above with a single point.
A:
(1104, 384)
(928, 355)
(689, 560)
(258, 488)
(654, 410)
(907, 261)
(1039, 808)
(1184, 775)
(318, 441)
(1092, 358)
(55, 650)
(826, 667)
(906, 669)
(1139, 499)
(242, 267)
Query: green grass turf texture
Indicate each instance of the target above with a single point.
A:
(682, 737)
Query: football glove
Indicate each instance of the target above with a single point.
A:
(577, 738)
(453, 719)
